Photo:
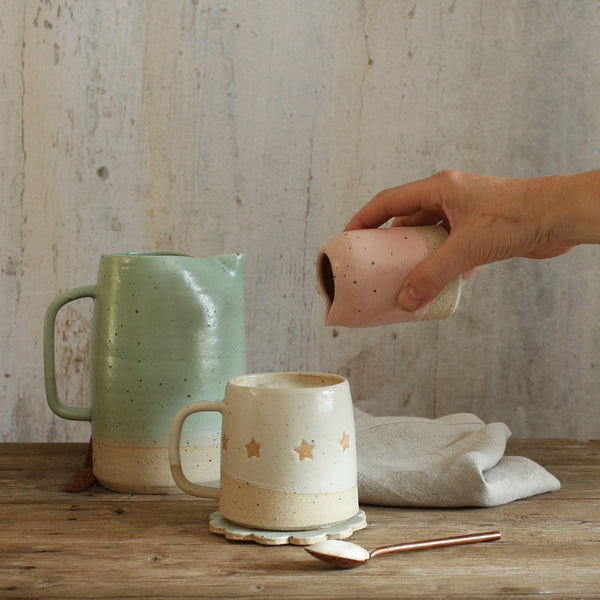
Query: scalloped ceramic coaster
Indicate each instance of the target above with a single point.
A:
(220, 525)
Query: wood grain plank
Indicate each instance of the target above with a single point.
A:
(104, 545)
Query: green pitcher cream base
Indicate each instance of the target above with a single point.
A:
(146, 470)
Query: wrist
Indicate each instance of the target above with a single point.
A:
(575, 208)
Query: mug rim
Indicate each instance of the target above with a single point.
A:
(142, 253)
(165, 254)
(314, 380)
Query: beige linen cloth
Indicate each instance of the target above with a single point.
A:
(456, 460)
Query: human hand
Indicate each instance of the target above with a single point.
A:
(488, 218)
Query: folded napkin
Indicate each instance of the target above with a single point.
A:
(456, 460)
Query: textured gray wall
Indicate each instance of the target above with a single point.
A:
(211, 127)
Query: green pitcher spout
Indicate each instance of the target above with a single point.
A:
(234, 263)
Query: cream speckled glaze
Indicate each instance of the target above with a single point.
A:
(360, 274)
(288, 455)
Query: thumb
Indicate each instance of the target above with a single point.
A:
(429, 278)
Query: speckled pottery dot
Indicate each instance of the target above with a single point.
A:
(288, 452)
(167, 330)
(360, 274)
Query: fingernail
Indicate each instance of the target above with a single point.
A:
(408, 299)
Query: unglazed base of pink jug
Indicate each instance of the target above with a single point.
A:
(256, 507)
(146, 470)
(443, 305)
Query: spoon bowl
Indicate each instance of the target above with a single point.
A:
(347, 555)
(339, 553)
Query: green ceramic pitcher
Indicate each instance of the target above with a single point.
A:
(167, 330)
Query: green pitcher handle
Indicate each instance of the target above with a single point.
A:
(66, 412)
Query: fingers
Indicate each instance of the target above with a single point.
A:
(400, 201)
(430, 277)
(467, 275)
(418, 219)
(428, 202)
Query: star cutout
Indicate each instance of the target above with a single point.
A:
(304, 450)
(345, 441)
(224, 440)
(253, 449)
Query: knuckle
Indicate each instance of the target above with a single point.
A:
(450, 176)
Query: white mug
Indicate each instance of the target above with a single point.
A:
(288, 451)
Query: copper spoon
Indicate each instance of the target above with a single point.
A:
(347, 555)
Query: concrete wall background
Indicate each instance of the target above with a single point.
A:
(209, 127)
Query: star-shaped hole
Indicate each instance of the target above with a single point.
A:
(304, 450)
(345, 441)
(253, 449)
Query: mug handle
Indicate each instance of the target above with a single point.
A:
(204, 491)
(66, 412)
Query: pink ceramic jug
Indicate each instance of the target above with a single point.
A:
(360, 274)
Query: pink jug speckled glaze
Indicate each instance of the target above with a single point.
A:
(360, 274)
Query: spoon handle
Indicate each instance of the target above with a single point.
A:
(472, 538)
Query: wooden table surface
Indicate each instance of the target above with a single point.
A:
(101, 544)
